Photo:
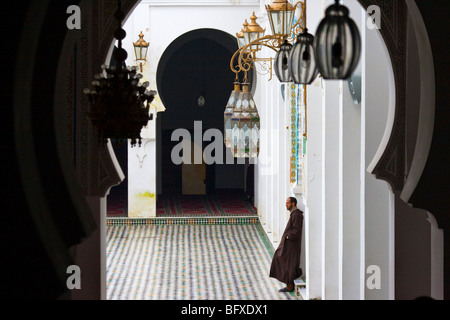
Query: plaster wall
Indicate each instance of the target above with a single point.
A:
(168, 21)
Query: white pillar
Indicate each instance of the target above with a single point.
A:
(378, 105)
(283, 157)
(331, 191)
(351, 241)
(274, 154)
(313, 194)
(352, 232)
(314, 198)
(142, 174)
(270, 160)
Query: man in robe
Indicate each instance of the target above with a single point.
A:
(286, 259)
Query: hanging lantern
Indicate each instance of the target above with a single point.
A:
(302, 62)
(281, 16)
(245, 140)
(255, 128)
(337, 43)
(282, 62)
(235, 119)
(244, 135)
(228, 114)
(240, 35)
(140, 50)
(245, 120)
(252, 32)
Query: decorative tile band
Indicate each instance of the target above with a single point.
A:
(181, 221)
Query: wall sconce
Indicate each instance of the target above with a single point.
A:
(140, 50)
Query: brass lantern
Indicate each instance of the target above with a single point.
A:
(252, 32)
(281, 16)
(228, 114)
(235, 119)
(240, 35)
(245, 126)
(140, 50)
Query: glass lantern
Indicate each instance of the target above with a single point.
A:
(281, 16)
(240, 35)
(337, 44)
(252, 32)
(140, 50)
(235, 120)
(302, 62)
(228, 114)
(282, 62)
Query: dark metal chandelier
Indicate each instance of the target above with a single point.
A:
(334, 51)
(282, 62)
(302, 61)
(119, 102)
(337, 43)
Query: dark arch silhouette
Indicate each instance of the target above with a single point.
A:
(220, 37)
(195, 64)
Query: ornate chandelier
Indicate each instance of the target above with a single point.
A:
(119, 103)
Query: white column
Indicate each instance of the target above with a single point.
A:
(352, 233)
(314, 197)
(378, 104)
(142, 174)
(269, 159)
(265, 159)
(351, 241)
(283, 156)
(274, 154)
(331, 191)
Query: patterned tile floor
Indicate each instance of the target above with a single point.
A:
(190, 262)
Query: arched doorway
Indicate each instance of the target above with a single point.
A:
(195, 65)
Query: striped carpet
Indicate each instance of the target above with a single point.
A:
(190, 262)
(222, 203)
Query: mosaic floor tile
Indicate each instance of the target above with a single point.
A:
(190, 262)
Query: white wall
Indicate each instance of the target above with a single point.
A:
(162, 22)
